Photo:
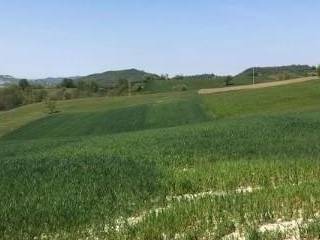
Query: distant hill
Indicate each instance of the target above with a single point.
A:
(52, 81)
(111, 78)
(6, 80)
(267, 74)
(105, 79)
(155, 83)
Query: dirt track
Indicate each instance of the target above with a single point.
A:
(255, 86)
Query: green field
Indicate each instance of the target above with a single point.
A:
(189, 84)
(163, 166)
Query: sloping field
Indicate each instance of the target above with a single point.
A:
(287, 98)
(140, 117)
(256, 86)
(19, 117)
(175, 174)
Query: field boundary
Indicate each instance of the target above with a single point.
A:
(255, 86)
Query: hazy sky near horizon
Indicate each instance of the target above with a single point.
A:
(78, 37)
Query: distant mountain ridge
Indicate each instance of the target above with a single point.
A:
(111, 78)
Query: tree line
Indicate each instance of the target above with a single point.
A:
(26, 92)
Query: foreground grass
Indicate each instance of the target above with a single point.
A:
(290, 98)
(64, 185)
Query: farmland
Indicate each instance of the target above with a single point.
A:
(164, 166)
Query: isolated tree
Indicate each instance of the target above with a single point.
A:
(229, 80)
(23, 84)
(51, 106)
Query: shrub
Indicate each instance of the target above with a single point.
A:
(10, 97)
(39, 95)
(51, 106)
(180, 87)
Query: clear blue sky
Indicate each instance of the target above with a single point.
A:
(40, 38)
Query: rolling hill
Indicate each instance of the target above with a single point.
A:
(154, 83)
(278, 73)
(167, 165)
(165, 161)
(203, 81)
(7, 80)
(111, 78)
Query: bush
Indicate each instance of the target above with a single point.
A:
(51, 106)
(180, 87)
(10, 97)
(39, 95)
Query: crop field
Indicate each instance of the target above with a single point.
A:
(238, 165)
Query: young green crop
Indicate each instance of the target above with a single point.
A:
(63, 185)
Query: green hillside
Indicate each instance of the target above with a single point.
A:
(196, 82)
(271, 74)
(125, 119)
(163, 166)
(184, 83)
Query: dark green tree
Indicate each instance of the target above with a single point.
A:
(67, 83)
(23, 84)
(229, 80)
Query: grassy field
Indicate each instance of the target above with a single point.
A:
(164, 166)
(189, 84)
(11, 120)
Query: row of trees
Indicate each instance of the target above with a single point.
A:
(21, 94)
(26, 92)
